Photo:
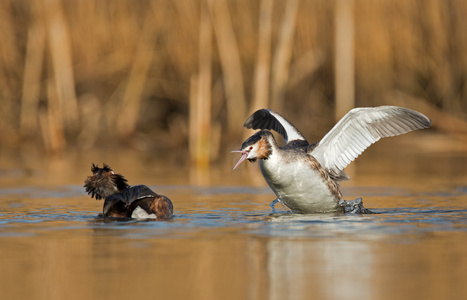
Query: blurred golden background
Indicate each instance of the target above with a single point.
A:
(159, 88)
(184, 75)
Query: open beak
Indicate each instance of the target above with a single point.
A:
(244, 155)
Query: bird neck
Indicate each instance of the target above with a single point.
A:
(267, 146)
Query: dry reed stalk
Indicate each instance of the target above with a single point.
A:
(231, 64)
(375, 56)
(11, 61)
(131, 102)
(32, 72)
(193, 121)
(263, 59)
(44, 129)
(60, 49)
(344, 60)
(91, 115)
(443, 60)
(200, 99)
(283, 54)
(52, 124)
(415, 47)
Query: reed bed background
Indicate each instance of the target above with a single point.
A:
(184, 75)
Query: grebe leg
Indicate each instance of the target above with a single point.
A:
(273, 204)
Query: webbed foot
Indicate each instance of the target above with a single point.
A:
(273, 204)
(354, 206)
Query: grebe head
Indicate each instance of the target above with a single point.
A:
(104, 182)
(257, 146)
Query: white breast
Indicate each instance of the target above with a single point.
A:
(297, 185)
(140, 213)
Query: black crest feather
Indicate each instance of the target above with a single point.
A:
(255, 138)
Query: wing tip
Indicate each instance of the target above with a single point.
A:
(422, 120)
(258, 114)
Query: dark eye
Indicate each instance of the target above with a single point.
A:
(251, 147)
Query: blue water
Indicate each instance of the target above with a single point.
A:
(37, 207)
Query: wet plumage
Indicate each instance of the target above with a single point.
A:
(123, 200)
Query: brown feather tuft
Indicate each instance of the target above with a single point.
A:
(104, 182)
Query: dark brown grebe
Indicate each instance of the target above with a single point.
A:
(123, 200)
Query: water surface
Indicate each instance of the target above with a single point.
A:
(224, 242)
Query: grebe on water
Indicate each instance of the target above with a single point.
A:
(305, 177)
(123, 200)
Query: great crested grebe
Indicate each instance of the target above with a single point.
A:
(123, 200)
(305, 177)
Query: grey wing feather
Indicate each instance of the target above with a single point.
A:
(360, 128)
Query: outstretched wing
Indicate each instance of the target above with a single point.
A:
(360, 128)
(269, 119)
